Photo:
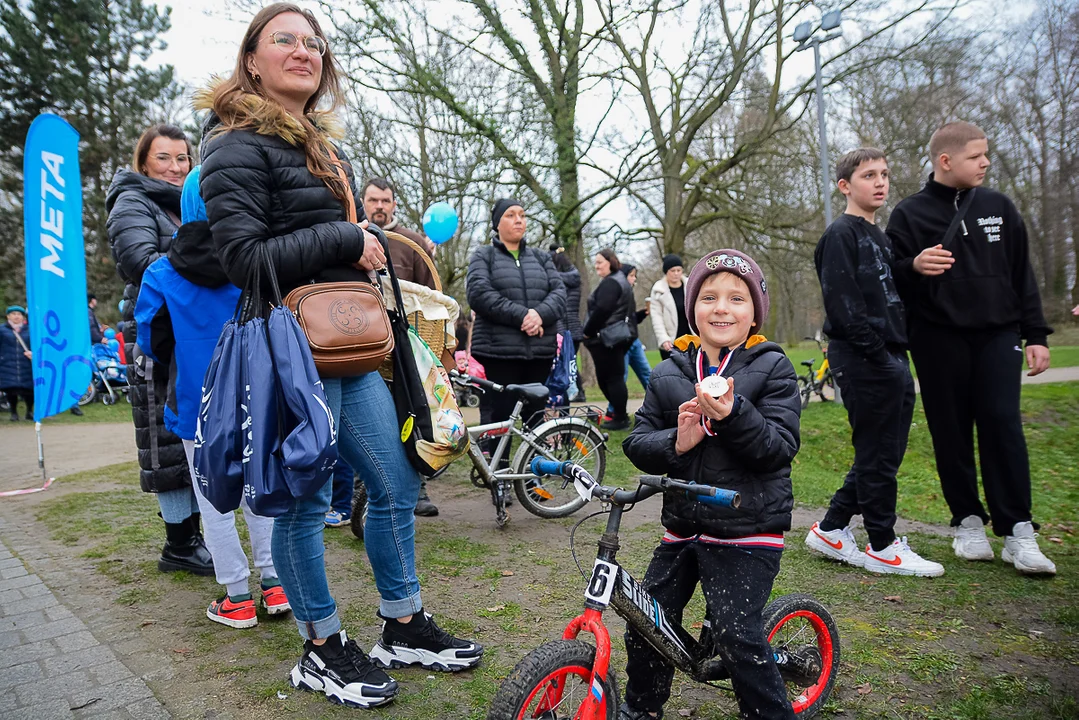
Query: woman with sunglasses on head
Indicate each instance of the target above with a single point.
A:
(143, 203)
(272, 189)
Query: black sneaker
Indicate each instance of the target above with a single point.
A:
(627, 713)
(424, 643)
(343, 672)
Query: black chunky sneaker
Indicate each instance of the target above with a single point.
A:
(343, 672)
(423, 642)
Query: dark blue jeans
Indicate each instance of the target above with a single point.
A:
(344, 483)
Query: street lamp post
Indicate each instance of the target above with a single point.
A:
(830, 22)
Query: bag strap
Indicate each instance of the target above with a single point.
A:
(352, 215)
(961, 212)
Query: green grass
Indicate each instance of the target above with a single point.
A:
(980, 642)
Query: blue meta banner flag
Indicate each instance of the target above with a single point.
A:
(55, 266)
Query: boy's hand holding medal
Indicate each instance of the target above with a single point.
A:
(715, 396)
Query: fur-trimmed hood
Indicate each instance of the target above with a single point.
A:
(264, 117)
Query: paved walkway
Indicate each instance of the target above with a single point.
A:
(51, 665)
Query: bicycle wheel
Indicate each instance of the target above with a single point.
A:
(562, 440)
(801, 627)
(805, 389)
(88, 396)
(551, 682)
(359, 510)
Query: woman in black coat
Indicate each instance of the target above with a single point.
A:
(609, 331)
(16, 372)
(144, 212)
(518, 298)
(272, 182)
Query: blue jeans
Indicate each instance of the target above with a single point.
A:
(368, 439)
(344, 484)
(636, 358)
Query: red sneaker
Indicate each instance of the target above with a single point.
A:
(274, 600)
(234, 614)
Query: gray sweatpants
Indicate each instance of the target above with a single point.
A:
(223, 542)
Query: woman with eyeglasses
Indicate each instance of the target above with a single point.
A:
(272, 189)
(143, 203)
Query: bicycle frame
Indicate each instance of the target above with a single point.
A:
(505, 430)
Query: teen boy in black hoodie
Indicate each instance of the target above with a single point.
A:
(865, 321)
(971, 299)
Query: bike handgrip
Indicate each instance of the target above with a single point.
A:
(722, 498)
(542, 466)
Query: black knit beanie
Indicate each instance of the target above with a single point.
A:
(500, 208)
(671, 261)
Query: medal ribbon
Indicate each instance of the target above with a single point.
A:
(701, 376)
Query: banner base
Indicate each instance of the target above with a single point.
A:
(27, 491)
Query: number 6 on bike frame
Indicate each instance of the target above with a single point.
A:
(571, 679)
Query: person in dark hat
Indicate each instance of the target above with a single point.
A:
(724, 411)
(16, 372)
(667, 303)
(518, 298)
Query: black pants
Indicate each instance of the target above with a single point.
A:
(13, 395)
(880, 403)
(495, 407)
(735, 610)
(972, 379)
(664, 354)
(611, 375)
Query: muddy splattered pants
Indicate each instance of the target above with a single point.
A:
(736, 583)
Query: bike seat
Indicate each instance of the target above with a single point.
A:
(809, 363)
(531, 392)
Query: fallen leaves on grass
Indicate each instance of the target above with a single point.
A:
(865, 689)
(1056, 540)
(894, 598)
(507, 573)
(496, 608)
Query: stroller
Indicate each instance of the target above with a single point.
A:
(109, 379)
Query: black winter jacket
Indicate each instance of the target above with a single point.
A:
(572, 321)
(16, 370)
(260, 195)
(991, 285)
(140, 231)
(751, 452)
(502, 289)
(610, 303)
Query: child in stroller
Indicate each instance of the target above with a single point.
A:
(109, 379)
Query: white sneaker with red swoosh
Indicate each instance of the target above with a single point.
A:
(899, 559)
(835, 544)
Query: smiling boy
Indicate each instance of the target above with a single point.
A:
(963, 266)
(866, 324)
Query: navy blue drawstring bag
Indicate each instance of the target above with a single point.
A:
(286, 430)
(562, 371)
(219, 430)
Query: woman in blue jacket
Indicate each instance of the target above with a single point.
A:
(16, 372)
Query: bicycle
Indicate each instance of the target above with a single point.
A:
(564, 437)
(569, 678)
(816, 381)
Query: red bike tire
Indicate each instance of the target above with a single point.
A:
(544, 665)
(788, 608)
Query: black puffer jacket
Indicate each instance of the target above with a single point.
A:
(609, 304)
(751, 451)
(260, 195)
(140, 231)
(572, 321)
(502, 289)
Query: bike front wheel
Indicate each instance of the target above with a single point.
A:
(551, 683)
(805, 390)
(806, 642)
(562, 440)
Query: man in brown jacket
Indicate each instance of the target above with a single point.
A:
(380, 206)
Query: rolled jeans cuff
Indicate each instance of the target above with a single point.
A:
(400, 608)
(317, 629)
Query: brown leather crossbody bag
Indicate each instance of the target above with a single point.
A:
(346, 323)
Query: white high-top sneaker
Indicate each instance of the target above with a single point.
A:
(970, 541)
(1021, 550)
(899, 559)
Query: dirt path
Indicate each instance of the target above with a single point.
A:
(69, 448)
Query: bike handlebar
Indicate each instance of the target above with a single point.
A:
(462, 379)
(654, 483)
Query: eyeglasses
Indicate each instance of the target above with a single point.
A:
(166, 159)
(288, 42)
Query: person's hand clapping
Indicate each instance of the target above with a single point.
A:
(716, 408)
(373, 257)
(690, 431)
(934, 261)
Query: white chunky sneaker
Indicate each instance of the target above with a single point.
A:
(1021, 550)
(835, 544)
(899, 559)
(970, 541)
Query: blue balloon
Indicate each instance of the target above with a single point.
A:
(440, 222)
(114, 344)
(120, 306)
(110, 333)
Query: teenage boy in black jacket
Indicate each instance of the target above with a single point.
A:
(970, 299)
(744, 439)
(865, 322)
